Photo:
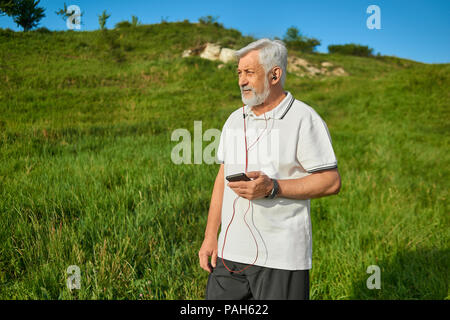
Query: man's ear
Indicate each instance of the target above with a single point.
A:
(275, 75)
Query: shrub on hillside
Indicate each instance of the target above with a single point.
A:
(296, 41)
(351, 49)
(122, 24)
(7, 32)
(42, 30)
(210, 20)
(127, 24)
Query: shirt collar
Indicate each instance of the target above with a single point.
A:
(276, 113)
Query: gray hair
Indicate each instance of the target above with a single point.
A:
(272, 53)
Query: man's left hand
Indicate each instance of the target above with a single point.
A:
(259, 187)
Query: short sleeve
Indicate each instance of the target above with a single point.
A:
(220, 155)
(314, 150)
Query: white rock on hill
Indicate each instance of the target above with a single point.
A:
(302, 68)
(227, 55)
(326, 64)
(211, 51)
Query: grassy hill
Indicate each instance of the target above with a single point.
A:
(86, 176)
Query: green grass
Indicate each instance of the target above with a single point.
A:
(86, 177)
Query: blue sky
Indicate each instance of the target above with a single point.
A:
(414, 29)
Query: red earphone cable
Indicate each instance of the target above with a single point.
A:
(225, 239)
(234, 202)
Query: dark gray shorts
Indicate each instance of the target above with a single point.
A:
(259, 283)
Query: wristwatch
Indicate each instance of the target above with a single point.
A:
(275, 190)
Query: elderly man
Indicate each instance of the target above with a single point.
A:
(264, 250)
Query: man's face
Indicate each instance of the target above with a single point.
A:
(253, 82)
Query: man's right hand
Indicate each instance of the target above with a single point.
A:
(208, 249)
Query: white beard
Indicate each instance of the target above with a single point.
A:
(256, 98)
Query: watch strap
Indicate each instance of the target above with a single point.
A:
(275, 190)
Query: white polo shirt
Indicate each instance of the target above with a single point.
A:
(293, 143)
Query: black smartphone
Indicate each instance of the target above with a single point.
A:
(238, 177)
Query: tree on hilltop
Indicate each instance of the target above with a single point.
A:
(25, 13)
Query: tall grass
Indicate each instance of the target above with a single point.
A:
(86, 177)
